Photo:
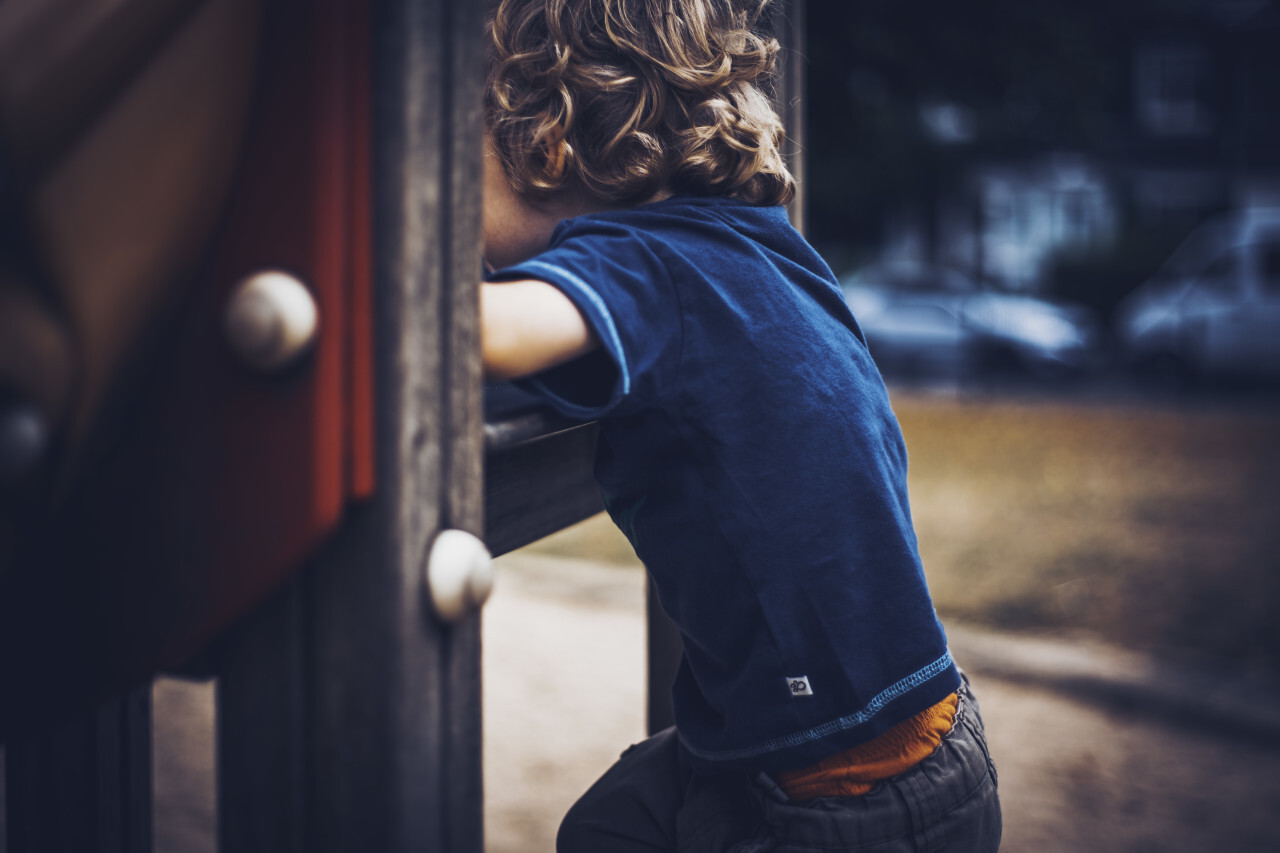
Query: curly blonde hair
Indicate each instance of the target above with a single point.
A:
(626, 98)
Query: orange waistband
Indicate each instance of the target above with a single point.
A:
(853, 772)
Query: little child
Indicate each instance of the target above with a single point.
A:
(647, 276)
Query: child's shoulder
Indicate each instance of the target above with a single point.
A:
(697, 205)
(686, 218)
(707, 237)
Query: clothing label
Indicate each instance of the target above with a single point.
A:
(799, 685)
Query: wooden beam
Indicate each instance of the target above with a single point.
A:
(538, 478)
(373, 704)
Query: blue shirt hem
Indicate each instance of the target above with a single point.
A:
(832, 728)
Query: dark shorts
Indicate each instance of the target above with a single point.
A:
(648, 801)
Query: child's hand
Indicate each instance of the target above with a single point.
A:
(529, 326)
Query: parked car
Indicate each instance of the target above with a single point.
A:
(931, 320)
(1213, 309)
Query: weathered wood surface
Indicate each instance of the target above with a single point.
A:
(84, 787)
(373, 705)
(538, 479)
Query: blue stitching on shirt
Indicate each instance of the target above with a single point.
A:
(872, 708)
(600, 306)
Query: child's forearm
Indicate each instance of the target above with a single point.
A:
(529, 326)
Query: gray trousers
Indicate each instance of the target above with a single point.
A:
(648, 801)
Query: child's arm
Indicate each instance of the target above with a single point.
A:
(529, 326)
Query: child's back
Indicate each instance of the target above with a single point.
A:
(747, 446)
(749, 453)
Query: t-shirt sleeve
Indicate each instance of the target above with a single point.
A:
(615, 277)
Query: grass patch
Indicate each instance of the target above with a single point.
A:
(597, 538)
(1157, 528)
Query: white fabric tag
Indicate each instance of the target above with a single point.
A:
(799, 685)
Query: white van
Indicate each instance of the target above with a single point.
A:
(1214, 307)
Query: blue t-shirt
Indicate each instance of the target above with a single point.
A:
(748, 451)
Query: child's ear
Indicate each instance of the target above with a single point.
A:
(556, 149)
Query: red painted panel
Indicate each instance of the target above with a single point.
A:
(217, 483)
(360, 403)
(295, 447)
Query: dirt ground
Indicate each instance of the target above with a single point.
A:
(564, 688)
(1141, 529)
(1074, 775)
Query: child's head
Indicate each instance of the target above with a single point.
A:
(624, 99)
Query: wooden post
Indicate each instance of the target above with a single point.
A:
(84, 787)
(349, 716)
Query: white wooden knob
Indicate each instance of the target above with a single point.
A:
(271, 320)
(459, 574)
(24, 440)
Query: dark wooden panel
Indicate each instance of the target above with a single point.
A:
(382, 698)
(84, 787)
(261, 722)
(396, 704)
(540, 483)
(458, 776)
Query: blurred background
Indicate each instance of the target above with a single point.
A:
(1053, 188)
(1058, 224)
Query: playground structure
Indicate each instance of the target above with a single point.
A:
(243, 430)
